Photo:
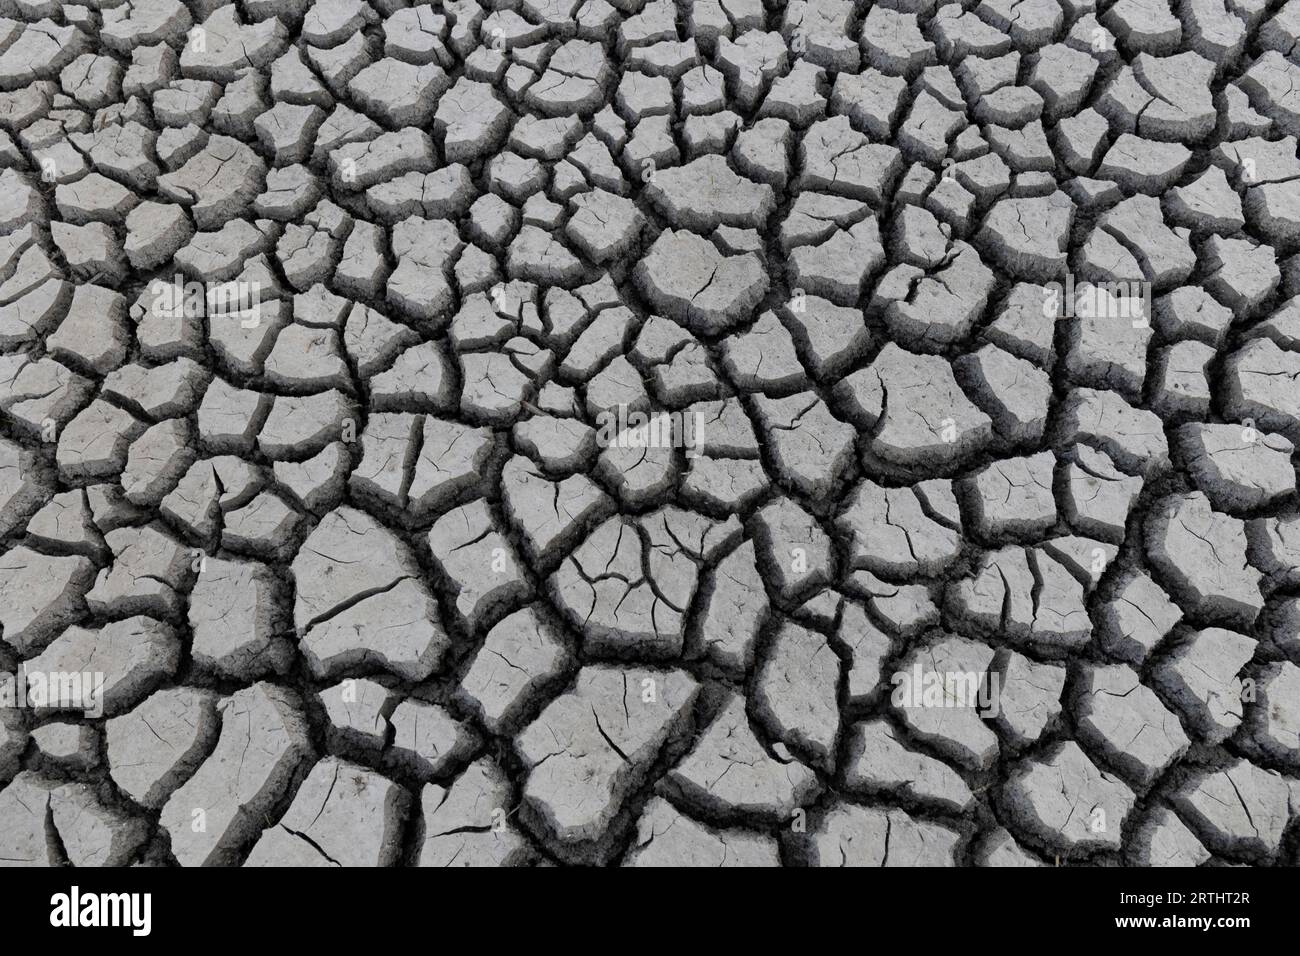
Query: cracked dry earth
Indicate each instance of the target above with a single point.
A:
(369, 584)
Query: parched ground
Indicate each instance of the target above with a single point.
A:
(937, 570)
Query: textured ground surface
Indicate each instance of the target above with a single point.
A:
(371, 579)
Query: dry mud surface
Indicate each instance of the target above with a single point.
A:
(325, 333)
